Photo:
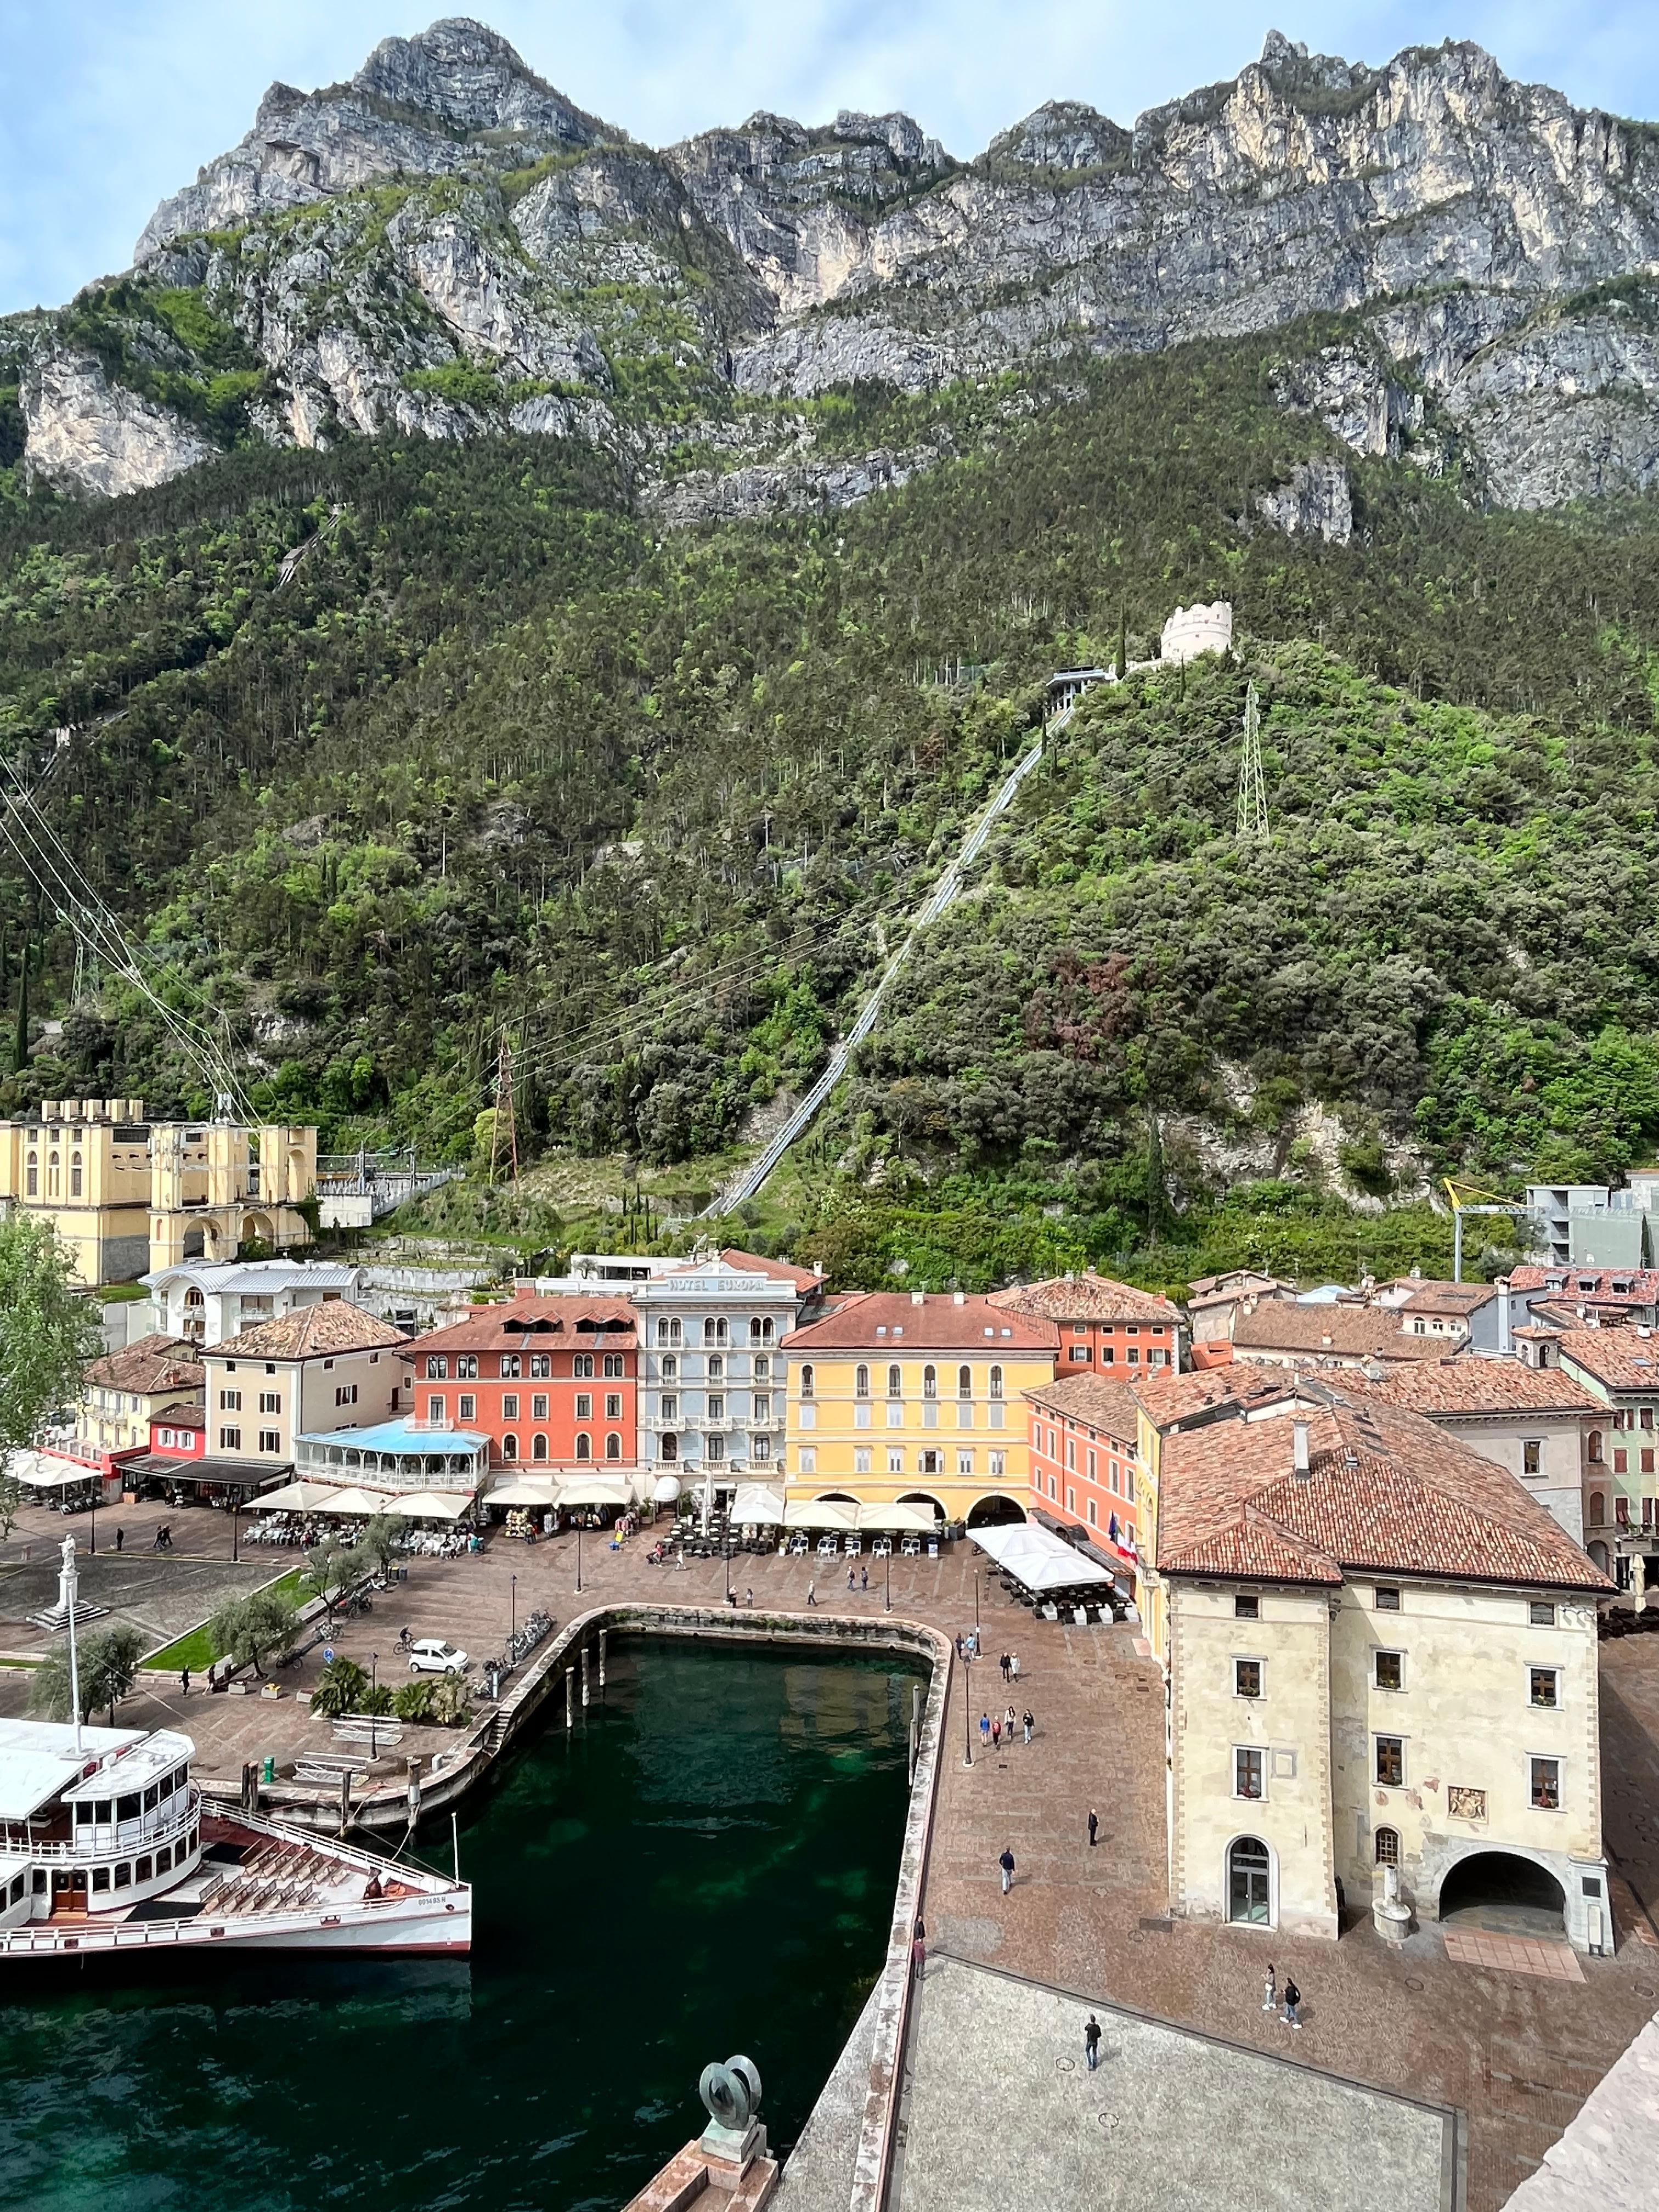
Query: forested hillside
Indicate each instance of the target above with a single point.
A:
(499, 750)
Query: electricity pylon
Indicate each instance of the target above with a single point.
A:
(1252, 825)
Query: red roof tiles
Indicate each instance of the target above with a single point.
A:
(1086, 1298)
(516, 1324)
(905, 1321)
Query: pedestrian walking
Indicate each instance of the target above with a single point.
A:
(1010, 1722)
(1292, 2004)
(852, 1577)
(1092, 2043)
(731, 1599)
(1006, 1862)
(1013, 1666)
(984, 1730)
(864, 1578)
(1003, 1663)
(749, 1597)
(1030, 1724)
(1270, 1993)
(918, 1952)
(996, 1735)
(184, 1681)
(811, 1593)
(120, 1538)
(958, 1644)
(1094, 1827)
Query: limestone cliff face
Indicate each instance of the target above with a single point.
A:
(448, 244)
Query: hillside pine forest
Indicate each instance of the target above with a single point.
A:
(503, 753)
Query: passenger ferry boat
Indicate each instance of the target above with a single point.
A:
(105, 1847)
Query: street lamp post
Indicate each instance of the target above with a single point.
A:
(374, 1717)
(967, 1714)
(579, 1557)
(888, 1563)
(726, 1547)
(96, 1488)
(236, 1527)
(513, 1631)
(976, 1597)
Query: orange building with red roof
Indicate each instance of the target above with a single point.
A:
(1106, 1328)
(551, 1382)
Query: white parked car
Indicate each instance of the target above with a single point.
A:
(432, 1656)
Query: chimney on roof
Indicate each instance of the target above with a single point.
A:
(1299, 1448)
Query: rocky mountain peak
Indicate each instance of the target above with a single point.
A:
(468, 76)
(1061, 134)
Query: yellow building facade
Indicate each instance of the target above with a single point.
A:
(126, 1195)
(915, 1398)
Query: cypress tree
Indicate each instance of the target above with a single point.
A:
(1121, 662)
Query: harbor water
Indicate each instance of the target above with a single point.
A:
(708, 1866)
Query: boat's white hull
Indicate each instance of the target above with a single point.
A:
(418, 1925)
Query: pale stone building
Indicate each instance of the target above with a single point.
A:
(125, 1390)
(321, 1367)
(1195, 629)
(125, 1194)
(1382, 1653)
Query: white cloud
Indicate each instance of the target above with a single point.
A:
(114, 103)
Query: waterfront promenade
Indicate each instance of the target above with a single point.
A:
(1516, 2053)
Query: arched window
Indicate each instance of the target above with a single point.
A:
(75, 1175)
(539, 1447)
(806, 1380)
(613, 1446)
(964, 1382)
(716, 1368)
(668, 1332)
(1598, 1509)
(894, 1382)
(510, 1448)
(33, 1179)
(715, 1331)
(613, 1363)
(996, 1382)
(1249, 1882)
(582, 1364)
(670, 1369)
(671, 1448)
(861, 1382)
(754, 1328)
(930, 1382)
(1596, 1445)
(54, 1176)
(1388, 1847)
(436, 1367)
(584, 1446)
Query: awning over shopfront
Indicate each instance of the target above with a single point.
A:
(1039, 1560)
(213, 1473)
(46, 1471)
(831, 1513)
(591, 1490)
(753, 1505)
(351, 1505)
(665, 1490)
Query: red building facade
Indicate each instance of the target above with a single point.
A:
(552, 1382)
(1105, 1327)
(1085, 1469)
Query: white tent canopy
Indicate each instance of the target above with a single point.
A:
(1039, 1560)
(296, 1497)
(665, 1490)
(430, 1504)
(822, 1513)
(524, 1490)
(46, 1471)
(352, 1505)
(901, 1516)
(754, 1504)
(592, 1490)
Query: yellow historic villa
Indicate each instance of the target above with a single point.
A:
(126, 1195)
(916, 1397)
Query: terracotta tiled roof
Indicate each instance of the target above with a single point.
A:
(1386, 1493)
(1457, 1300)
(804, 1279)
(514, 1324)
(1211, 1290)
(184, 1417)
(156, 1362)
(931, 1322)
(1086, 1298)
(1330, 1332)
(1108, 1407)
(1641, 1282)
(1250, 1549)
(312, 1332)
(1478, 1386)
(1619, 1358)
(1169, 1399)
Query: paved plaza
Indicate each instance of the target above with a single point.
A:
(1001, 2109)
(1515, 2051)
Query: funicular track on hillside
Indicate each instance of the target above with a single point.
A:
(938, 901)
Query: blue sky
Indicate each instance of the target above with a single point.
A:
(109, 105)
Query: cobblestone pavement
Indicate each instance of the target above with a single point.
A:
(1517, 2053)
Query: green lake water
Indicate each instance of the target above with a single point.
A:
(708, 1867)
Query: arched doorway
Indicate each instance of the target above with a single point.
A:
(1249, 1883)
(992, 1512)
(1503, 1895)
(1599, 1555)
(923, 1498)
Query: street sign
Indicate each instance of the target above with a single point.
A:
(328, 1655)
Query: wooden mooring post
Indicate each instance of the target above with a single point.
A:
(570, 1697)
(602, 1638)
(587, 1654)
